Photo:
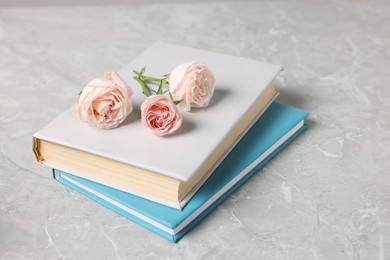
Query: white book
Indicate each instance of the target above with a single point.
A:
(167, 170)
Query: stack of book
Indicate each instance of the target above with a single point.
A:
(168, 184)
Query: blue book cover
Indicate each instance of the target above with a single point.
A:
(274, 130)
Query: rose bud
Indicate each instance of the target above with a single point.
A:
(105, 102)
(193, 84)
(160, 115)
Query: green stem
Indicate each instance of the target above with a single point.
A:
(146, 78)
(174, 101)
(145, 90)
(137, 73)
(143, 80)
(150, 78)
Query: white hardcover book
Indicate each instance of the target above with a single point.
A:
(243, 90)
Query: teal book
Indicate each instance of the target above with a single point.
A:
(278, 126)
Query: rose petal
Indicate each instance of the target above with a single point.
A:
(193, 84)
(160, 115)
(105, 102)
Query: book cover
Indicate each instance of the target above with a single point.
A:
(274, 130)
(205, 138)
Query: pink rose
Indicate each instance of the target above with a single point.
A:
(193, 84)
(105, 102)
(160, 115)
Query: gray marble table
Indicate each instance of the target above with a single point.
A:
(326, 196)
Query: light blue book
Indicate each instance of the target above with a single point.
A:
(274, 130)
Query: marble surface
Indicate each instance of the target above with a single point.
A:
(326, 196)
